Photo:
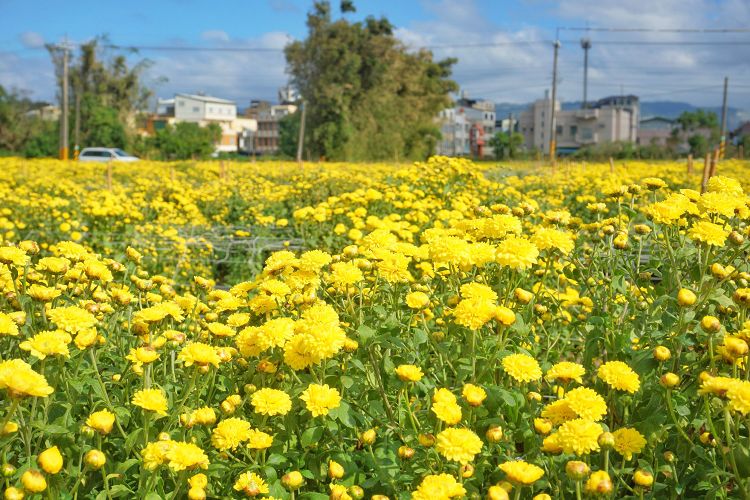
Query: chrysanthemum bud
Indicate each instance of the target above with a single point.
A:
(405, 452)
(8, 470)
(494, 434)
(356, 492)
(497, 493)
(542, 426)
(95, 459)
(534, 396)
(33, 481)
(368, 437)
(662, 353)
(669, 457)
(669, 380)
(643, 478)
(13, 493)
(196, 493)
(335, 470)
(292, 480)
(50, 460)
(606, 440)
(577, 470)
(522, 296)
(686, 298)
(427, 440)
(599, 483)
(467, 471)
(710, 324)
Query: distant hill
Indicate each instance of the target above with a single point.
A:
(667, 109)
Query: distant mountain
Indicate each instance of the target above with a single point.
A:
(667, 109)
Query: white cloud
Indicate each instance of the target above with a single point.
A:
(507, 72)
(215, 36)
(32, 39)
(240, 76)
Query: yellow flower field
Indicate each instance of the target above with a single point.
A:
(431, 331)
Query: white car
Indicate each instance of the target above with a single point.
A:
(105, 155)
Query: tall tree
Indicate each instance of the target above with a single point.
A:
(367, 96)
(17, 125)
(102, 85)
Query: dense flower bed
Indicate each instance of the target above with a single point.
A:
(438, 330)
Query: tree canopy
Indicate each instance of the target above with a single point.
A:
(367, 96)
(105, 90)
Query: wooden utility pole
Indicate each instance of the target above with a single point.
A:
(714, 163)
(64, 115)
(301, 139)
(723, 144)
(553, 124)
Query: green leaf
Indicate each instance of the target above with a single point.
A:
(311, 436)
(343, 414)
(420, 337)
(365, 334)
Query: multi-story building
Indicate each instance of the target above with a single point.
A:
(266, 139)
(203, 110)
(611, 119)
(466, 128)
(655, 130)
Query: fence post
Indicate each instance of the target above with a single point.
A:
(690, 164)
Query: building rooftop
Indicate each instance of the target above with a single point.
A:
(205, 98)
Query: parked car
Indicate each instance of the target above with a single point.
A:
(105, 155)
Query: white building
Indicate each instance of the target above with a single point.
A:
(612, 119)
(204, 110)
(466, 128)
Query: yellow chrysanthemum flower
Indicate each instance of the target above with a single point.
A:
(459, 445)
(320, 399)
(271, 402)
(619, 376)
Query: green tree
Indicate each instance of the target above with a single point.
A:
(504, 145)
(187, 141)
(289, 134)
(102, 80)
(17, 126)
(698, 145)
(367, 96)
(45, 142)
(105, 128)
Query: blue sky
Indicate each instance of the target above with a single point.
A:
(509, 71)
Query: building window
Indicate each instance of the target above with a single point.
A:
(573, 130)
(195, 109)
(559, 130)
(180, 103)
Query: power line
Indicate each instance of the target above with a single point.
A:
(658, 30)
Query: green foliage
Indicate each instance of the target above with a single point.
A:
(105, 92)
(187, 140)
(16, 125)
(506, 146)
(45, 142)
(691, 120)
(104, 128)
(289, 134)
(698, 144)
(367, 97)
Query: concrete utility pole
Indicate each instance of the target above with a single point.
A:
(301, 138)
(723, 144)
(552, 123)
(64, 141)
(585, 45)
